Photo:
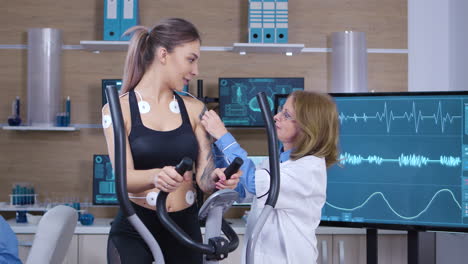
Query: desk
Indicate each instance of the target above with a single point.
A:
(89, 243)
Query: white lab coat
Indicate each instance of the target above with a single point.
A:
(288, 236)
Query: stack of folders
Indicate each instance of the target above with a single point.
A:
(268, 21)
(119, 15)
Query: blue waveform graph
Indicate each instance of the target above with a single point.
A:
(414, 116)
(394, 211)
(403, 161)
(411, 160)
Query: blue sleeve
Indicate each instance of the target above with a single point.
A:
(230, 149)
(8, 244)
(220, 161)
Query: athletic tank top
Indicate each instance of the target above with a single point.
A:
(155, 149)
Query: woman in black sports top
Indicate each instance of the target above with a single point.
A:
(162, 128)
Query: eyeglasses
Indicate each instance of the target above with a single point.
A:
(284, 114)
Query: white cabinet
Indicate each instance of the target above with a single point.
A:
(325, 249)
(92, 249)
(25, 242)
(351, 249)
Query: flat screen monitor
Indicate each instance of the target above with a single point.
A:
(105, 82)
(104, 192)
(404, 162)
(238, 105)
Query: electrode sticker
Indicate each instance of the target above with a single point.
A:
(174, 106)
(151, 198)
(106, 121)
(144, 107)
(190, 197)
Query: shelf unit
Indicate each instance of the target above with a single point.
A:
(40, 128)
(288, 49)
(241, 48)
(30, 208)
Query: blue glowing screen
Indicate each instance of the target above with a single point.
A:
(104, 192)
(105, 82)
(238, 105)
(404, 159)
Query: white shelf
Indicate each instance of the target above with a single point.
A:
(103, 45)
(40, 128)
(241, 48)
(288, 49)
(37, 207)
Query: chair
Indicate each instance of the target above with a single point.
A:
(53, 236)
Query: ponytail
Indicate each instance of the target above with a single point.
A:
(139, 56)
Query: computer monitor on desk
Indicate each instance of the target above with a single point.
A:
(103, 182)
(238, 106)
(106, 82)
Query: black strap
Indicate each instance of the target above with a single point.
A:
(268, 189)
(183, 110)
(134, 109)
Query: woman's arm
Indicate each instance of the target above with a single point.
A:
(208, 177)
(231, 149)
(166, 179)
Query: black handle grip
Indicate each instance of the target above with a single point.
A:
(184, 165)
(233, 167)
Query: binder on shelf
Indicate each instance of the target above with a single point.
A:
(281, 21)
(268, 19)
(255, 21)
(111, 20)
(129, 17)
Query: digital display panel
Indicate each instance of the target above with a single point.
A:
(104, 192)
(105, 82)
(238, 105)
(404, 162)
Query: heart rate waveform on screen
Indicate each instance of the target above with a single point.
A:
(414, 116)
(411, 160)
(412, 217)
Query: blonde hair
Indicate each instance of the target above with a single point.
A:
(317, 118)
(169, 33)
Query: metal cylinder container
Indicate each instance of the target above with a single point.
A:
(349, 62)
(44, 75)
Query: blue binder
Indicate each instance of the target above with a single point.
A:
(111, 20)
(129, 17)
(255, 21)
(281, 21)
(268, 16)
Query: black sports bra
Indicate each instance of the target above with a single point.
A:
(155, 149)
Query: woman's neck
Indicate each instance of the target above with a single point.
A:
(152, 88)
(287, 146)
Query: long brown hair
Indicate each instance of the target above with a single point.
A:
(317, 117)
(168, 33)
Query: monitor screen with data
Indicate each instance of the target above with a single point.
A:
(104, 192)
(404, 162)
(105, 82)
(238, 105)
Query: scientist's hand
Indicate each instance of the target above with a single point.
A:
(213, 124)
(168, 180)
(220, 179)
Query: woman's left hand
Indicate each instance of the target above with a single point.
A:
(220, 179)
(213, 124)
